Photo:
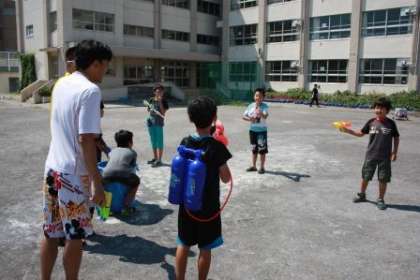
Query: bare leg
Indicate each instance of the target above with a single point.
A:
(382, 189)
(131, 195)
(49, 250)
(262, 161)
(204, 261)
(159, 154)
(181, 262)
(363, 186)
(254, 160)
(72, 258)
(155, 153)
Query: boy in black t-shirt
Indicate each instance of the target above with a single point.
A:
(380, 152)
(202, 111)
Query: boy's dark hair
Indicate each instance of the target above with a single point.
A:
(260, 90)
(382, 102)
(89, 51)
(202, 111)
(158, 86)
(123, 138)
(70, 54)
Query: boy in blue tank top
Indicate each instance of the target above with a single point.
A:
(202, 111)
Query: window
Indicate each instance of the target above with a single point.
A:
(242, 71)
(208, 40)
(29, 31)
(243, 35)
(139, 31)
(208, 75)
(330, 27)
(282, 71)
(176, 72)
(208, 8)
(278, 1)
(241, 4)
(282, 31)
(138, 74)
(52, 22)
(387, 22)
(184, 4)
(328, 71)
(175, 35)
(90, 20)
(384, 71)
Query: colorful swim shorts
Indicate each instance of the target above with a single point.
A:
(66, 206)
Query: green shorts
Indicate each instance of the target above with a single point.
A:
(156, 136)
(384, 169)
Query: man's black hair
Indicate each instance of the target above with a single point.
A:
(202, 111)
(70, 54)
(260, 90)
(158, 86)
(383, 102)
(123, 138)
(89, 51)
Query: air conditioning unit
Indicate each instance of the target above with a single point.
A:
(294, 64)
(219, 24)
(296, 23)
(410, 11)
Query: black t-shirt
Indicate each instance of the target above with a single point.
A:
(215, 155)
(381, 134)
(314, 92)
(155, 119)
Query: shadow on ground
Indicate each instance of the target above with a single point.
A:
(292, 176)
(132, 249)
(401, 207)
(146, 214)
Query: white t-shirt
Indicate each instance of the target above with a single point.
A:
(75, 111)
(251, 111)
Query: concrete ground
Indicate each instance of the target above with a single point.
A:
(295, 222)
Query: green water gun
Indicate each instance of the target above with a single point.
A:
(104, 211)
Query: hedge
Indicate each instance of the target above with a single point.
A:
(409, 100)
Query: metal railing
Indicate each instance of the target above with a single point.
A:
(9, 62)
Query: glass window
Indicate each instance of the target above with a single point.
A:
(387, 22)
(183, 4)
(91, 20)
(330, 27)
(138, 74)
(175, 35)
(278, 1)
(208, 7)
(176, 72)
(244, 35)
(242, 71)
(328, 71)
(241, 4)
(384, 71)
(282, 71)
(282, 31)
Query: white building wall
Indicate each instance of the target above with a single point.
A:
(283, 11)
(243, 16)
(396, 46)
(33, 12)
(387, 89)
(331, 7)
(330, 87)
(243, 53)
(386, 4)
(329, 49)
(175, 19)
(283, 51)
(282, 86)
(175, 45)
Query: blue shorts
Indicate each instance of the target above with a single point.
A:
(216, 243)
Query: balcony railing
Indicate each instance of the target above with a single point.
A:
(9, 62)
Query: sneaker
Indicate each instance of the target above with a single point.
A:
(157, 163)
(251, 169)
(151, 161)
(380, 203)
(128, 211)
(361, 197)
(261, 171)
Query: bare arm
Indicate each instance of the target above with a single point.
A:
(352, 132)
(395, 151)
(88, 144)
(224, 173)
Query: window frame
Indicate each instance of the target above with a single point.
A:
(372, 29)
(380, 75)
(284, 72)
(281, 35)
(98, 21)
(248, 37)
(325, 73)
(326, 31)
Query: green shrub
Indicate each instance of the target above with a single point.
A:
(45, 91)
(28, 70)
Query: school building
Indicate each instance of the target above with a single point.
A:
(357, 45)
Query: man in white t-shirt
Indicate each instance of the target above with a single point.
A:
(75, 124)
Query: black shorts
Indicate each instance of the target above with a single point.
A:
(258, 142)
(130, 180)
(207, 235)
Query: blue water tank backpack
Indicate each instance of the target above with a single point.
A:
(188, 176)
